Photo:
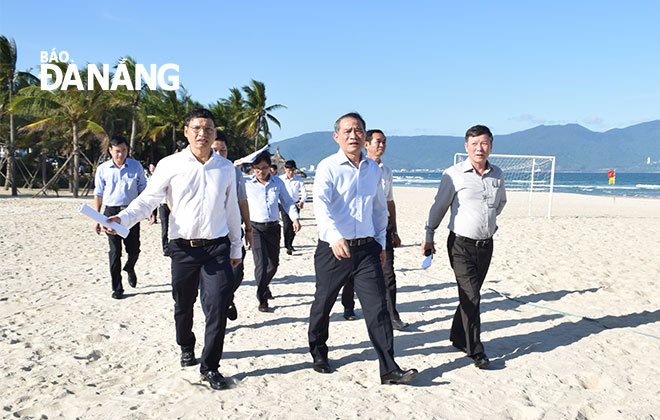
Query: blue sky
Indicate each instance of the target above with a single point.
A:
(410, 68)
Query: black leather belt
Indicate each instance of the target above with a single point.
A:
(265, 224)
(360, 241)
(196, 243)
(479, 243)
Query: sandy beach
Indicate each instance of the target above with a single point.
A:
(570, 321)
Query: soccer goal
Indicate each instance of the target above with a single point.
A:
(532, 174)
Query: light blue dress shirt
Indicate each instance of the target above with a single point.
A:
(263, 199)
(119, 186)
(349, 202)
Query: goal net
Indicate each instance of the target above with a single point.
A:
(532, 174)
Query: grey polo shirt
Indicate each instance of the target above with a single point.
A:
(475, 201)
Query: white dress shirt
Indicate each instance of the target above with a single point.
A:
(388, 178)
(475, 201)
(202, 198)
(349, 202)
(296, 187)
(263, 199)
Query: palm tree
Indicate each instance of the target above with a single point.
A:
(74, 111)
(166, 111)
(11, 81)
(132, 98)
(255, 115)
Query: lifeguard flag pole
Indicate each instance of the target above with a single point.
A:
(612, 176)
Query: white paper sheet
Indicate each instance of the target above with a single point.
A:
(99, 218)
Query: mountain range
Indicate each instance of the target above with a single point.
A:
(576, 148)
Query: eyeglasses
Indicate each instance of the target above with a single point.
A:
(262, 169)
(207, 131)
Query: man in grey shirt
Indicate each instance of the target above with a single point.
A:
(474, 189)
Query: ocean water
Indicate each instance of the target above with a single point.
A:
(627, 184)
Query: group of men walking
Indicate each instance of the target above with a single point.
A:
(209, 199)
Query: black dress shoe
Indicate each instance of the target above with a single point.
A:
(321, 366)
(480, 360)
(398, 376)
(289, 251)
(232, 313)
(397, 324)
(263, 307)
(118, 294)
(215, 379)
(349, 315)
(132, 278)
(188, 358)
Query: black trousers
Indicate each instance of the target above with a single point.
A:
(164, 216)
(331, 274)
(287, 229)
(470, 264)
(132, 245)
(390, 282)
(266, 254)
(239, 273)
(208, 269)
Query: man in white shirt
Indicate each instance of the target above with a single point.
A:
(351, 216)
(264, 192)
(376, 145)
(474, 189)
(220, 147)
(205, 237)
(296, 188)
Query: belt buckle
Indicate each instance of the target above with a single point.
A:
(480, 243)
(196, 243)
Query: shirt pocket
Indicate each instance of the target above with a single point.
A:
(492, 186)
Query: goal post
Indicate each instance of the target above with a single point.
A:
(533, 174)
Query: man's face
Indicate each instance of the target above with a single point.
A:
(220, 148)
(376, 147)
(262, 171)
(119, 153)
(289, 172)
(478, 149)
(200, 133)
(350, 136)
(273, 171)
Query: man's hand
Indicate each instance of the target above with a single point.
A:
(249, 239)
(300, 205)
(97, 228)
(234, 262)
(341, 250)
(110, 220)
(382, 258)
(296, 226)
(152, 219)
(427, 245)
(396, 241)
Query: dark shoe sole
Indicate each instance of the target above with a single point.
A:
(400, 380)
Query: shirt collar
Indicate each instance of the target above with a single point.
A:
(467, 166)
(191, 156)
(342, 158)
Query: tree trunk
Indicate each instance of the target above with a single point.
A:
(131, 147)
(44, 170)
(76, 160)
(11, 168)
(173, 139)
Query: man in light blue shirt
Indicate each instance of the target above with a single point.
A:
(118, 182)
(264, 192)
(351, 216)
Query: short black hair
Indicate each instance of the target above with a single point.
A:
(220, 136)
(371, 133)
(353, 115)
(199, 113)
(290, 164)
(117, 140)
(262, 157)
(478, 130)
(273, 166)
